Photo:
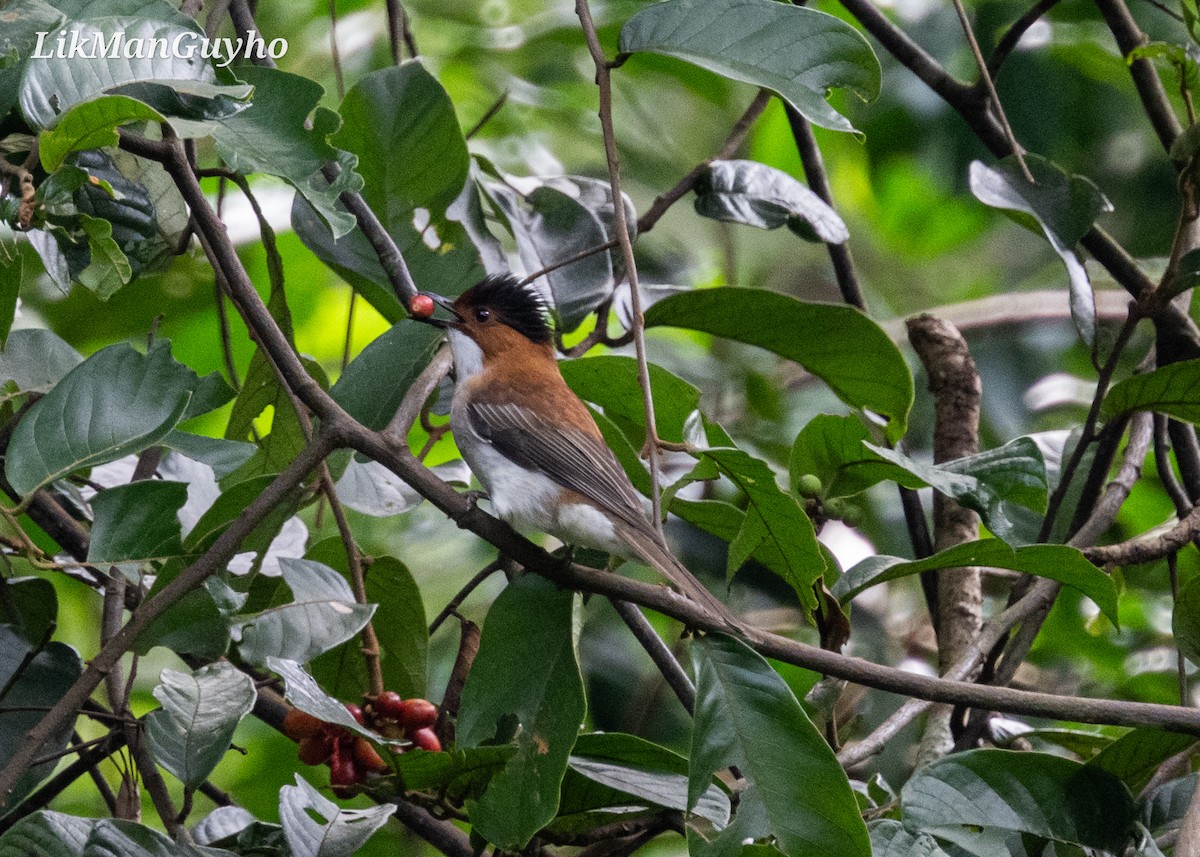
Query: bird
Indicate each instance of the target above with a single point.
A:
(533, 444)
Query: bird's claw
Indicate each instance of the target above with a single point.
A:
(474, 495)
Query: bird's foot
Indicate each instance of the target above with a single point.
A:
(474, 495)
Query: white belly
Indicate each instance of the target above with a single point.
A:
(529, 500)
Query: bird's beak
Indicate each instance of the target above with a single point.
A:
(446, 304)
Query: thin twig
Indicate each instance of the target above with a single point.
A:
(399, 30)
(335, 52)
(650, 449)
(488, 115)
(454, 603)
(1088, 433)
(1012, 36)
(986, 78)
(668, 666)
(358, 581)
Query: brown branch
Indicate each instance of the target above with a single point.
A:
(1143, 549)
(954, 383)
(664, 659)
(454, 603)
(1012, 36)
(1129, 36)
(399, 31)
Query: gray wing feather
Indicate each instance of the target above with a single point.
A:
(570, 457)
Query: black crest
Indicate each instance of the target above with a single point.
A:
(521, 307)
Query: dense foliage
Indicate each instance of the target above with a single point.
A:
(238, 552)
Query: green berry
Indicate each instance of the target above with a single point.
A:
(809, 486)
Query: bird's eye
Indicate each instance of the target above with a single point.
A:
(482, 314)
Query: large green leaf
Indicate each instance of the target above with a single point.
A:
(832, 448)
(41, 683)
(373, 385)
(985, 482)
(799, 53)
(1036, 793)
(191, 732)
(772, 516)
(52, 84)
(399, 623)
(47, 834)
(137, 522)
(115, 403)
(34, 360)
(860, 364)
(322, 615)
(1173, 389)
(91, 125)
(116, 837)
(796, 792)
(285, 133)
(1057, 562)
(29, 605)
(890, 838)
(1063, 205)
(12, 267)
(758, 195)
(611, 381)
(526, 676)
(634, 766)
(317, 827)
(1136, 756)
(401, 125)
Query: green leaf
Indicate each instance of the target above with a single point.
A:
(526, 675)
(798, 53)
(34, 360)
(11, 272)
(1166, 806)
(323, 615)
(137, 522)
(746, 715)
(115, 403)
(1057, 562)
(985, 482)
(772, 516)
(1035, 793)
(861, 364)
(1185, 622)
(29, 605)
(374, 384)
(647, 771)
(46, 834)
(1173, 390)
(889, 838)
(223, 456)
(91, 125)
(758, 195)
(304, 693)
(285, 133)
(1136, 756)
(42, 681)
(109, 268)
(400, 627)
(317, 827)
(193, 625)
(611, 381)
(1064, 205)
(456, 773)
(832, 448)
(401, 124)
(52, 85)
(191, 732)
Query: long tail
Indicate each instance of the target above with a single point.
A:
(648, 547)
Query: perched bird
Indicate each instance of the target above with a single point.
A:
(532, 442)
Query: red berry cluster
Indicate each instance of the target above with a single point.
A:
(413, 719)
(352, 758)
